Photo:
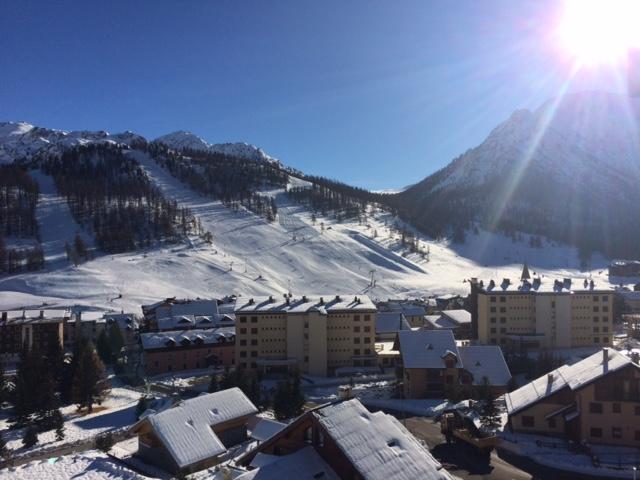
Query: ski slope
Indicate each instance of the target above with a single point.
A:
(250, 256)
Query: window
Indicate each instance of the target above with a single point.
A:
(243, 342)
(243, 330)
(596, 339)
(254, 319)
(503, 330)
(503, 320)
(367, 329)
(595, 407)
(356, 329)
(528, 421)
(616, 432)
(595, 298)
(243, 319)
(320, 438)
(356, 340)
(254, 342)
(254, 331)
(503, 299)
(616, 408)
(308, 435)
(553, 304)
(605, 308)
(596, 308)
(493, 309)
(552, 423)
(596, 329)
(356, 351)
(492, 299)
(596, 319)
(503, 309)
(367, 318)
(356, 318)
(493, 330)
(596, 432)
(243, 354)
(493, 319)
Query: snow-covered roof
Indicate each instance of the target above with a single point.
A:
(194, 321)
(460, 317)
(35, 316)
(265, 429)
(205, 307)
(377, 444)
(537, 285)
(305, 464)
(440, 321)
(156, 340)
(407, 308)
(305, 303)
(391, 322)
(485, 361)
(572, 376)
(186, 429)
(426, 348)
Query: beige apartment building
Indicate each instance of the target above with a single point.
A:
(543, 313)
(314, 335)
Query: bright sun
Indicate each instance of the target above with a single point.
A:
(600, 31)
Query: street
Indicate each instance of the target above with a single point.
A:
(463, 461)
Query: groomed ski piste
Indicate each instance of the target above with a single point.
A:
(250, 256)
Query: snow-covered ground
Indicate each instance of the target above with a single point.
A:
(250, 256)
(116, 412)
(89, 465)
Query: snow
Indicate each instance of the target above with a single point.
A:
(390, 322)
(156, 340)
(572, 376)
(459, 317)
(305, 464)
(426, 348)
(251, 257)
(192, 321)
(326, 303)
(88, 465)
(485, 361)
(185, 429)
(377, 444)
(265, 429)
(116, 412)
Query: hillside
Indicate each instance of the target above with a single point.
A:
(323, 237)
(568, 171)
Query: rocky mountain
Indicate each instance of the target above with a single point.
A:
(181, 140)
(568, 171)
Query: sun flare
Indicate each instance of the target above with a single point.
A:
(600, 31)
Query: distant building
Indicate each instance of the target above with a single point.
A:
(624, 268)
(388, 324)
(194, 434)
(172, 307)
(172, 351)
(314, 335)
(543, 313)
(458, 321)
(31, 328)
(432, 362)
(412, 310)
(92, 322)
(596, 400)
(342, 440)
(185, 322)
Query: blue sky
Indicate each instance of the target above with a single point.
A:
(374, 93)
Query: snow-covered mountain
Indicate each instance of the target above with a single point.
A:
(568, 170)
(21, 140)
(180, 140)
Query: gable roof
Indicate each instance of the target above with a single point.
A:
(485, 361)
(459, 316)
(305, 303)
(156, 340)
(305, 464)
(186, 429)
(573, 376)
(377, 444)
(425, 348)
(391, 322)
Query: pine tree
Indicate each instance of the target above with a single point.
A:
(103, 347)
(489, 415)
(142, 406)
(30, 437)
(214, 383)
(80, 247)
(105, 442)
(4, 390)
(89, 380)
(4, 451)
(116, 340)
(58, 423)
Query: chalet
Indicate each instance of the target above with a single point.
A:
(343, 440)
(595, 400)
(432, 361)
(172, 351)
(194, 434)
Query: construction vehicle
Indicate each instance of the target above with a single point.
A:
(459, 426)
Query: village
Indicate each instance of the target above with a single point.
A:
(524, 374)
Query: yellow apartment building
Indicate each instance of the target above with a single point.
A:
(311, 334)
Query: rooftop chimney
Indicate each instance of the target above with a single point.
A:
(605, 357)
(550, 377)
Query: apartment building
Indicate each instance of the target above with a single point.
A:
(542, 313)
(33, 328)
(596, 400)
(314, 335)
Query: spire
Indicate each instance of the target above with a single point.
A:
(525, 273)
